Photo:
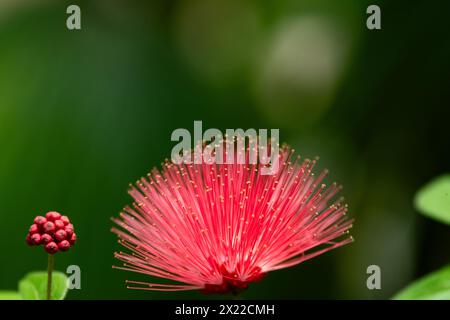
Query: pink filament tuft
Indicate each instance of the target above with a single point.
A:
(219, 227)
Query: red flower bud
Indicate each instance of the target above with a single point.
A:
(46, 238)
(59, 224)
(65, 220)
(60, 235)
(49, 227)
(51, 247)
(64, 245)
(34, 229)
(28, 240)
(73, 239)
(69, 231)
(40, 220)
(53, 215)
(36, 238)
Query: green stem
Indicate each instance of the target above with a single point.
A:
(49, 276)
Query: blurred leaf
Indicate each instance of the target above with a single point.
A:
(433, 200)
(34, 286)
(27, 290)
(10, 295)
(435, 286)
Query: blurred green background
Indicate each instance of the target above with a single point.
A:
(84, 113)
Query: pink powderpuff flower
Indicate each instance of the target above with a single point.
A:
(220, 227)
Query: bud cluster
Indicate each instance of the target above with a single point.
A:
(54, 232)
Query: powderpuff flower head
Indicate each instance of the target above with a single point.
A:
(220, 227)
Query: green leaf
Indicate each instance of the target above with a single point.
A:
(10, 295)
(433, 200)
(434, 286)
(34, 286)
(27, 290)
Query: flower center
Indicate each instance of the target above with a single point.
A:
(231, 283)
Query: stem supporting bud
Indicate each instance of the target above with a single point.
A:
(49, 276)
